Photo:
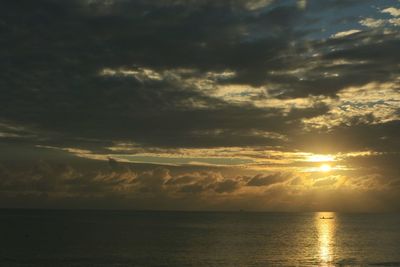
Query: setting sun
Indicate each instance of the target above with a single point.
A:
(325, 168)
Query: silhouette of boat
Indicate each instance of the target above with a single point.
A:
(326, 218)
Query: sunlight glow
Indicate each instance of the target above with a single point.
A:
(325, 168)
(320, 158)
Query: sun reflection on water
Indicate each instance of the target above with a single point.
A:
(325, 222)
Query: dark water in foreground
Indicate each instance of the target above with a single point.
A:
(127, 238)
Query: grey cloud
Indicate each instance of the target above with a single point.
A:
(357, 137)
(192, 188)
(59, 89)
(53, 93)
(384, 165)
(106, 179)
(325, 181)
(266, 180)
(46, 183)
(227, 186)
(369, 55)
(60, 92)
(152, 181)
(182, 180)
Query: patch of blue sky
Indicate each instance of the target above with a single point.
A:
(325, 22)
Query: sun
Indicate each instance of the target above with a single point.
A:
(325, 168)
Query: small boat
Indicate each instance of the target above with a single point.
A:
(326, 218)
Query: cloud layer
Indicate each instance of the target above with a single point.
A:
(50, 184)
(250, 84)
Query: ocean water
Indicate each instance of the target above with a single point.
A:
(129, 238)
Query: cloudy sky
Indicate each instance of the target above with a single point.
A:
(278, 105)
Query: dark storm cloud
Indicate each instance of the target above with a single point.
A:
(53, 53)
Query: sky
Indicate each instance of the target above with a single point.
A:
(259, 105)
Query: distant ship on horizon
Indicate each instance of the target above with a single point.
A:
(326, 218)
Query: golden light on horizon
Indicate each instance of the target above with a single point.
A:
(325, 168)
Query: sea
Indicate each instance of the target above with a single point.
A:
(178, 238)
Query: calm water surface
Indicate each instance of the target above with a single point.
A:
(127, 238)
